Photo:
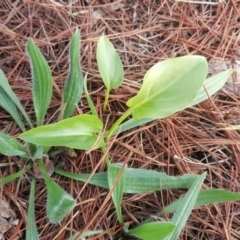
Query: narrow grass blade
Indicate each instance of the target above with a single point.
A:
(89, 100)
(73, 87)
(31, 229)
(77, 132)
(11, 147)
(4, 85)
(42, 81)
(150, 231)
(59, 203)
(184, 210)
(113, 174)
(137, 180)
(14, 176)
(206, 197)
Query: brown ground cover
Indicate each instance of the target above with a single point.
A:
(143, 32)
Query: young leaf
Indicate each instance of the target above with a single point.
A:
(10, 97)
(59, 203)
(73, 87)
(109, 65)
(11, 147)
(184, 210)
(42, 81)
(31, 229)
(137, 180)
(76, 132)
(168, 87)
(150, 231)
(113, 173)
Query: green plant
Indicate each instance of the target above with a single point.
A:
(168, 87)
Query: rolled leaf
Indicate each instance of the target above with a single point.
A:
(73, 87)
(168, 87)
(76, 132)
(41, 81)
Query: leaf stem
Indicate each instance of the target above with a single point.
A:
(117, 123)
(106, 100)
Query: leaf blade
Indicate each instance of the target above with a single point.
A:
(109, 63)
(41, 82)
(11, 147)
(77, 132)
(113, 173)
(73, 86)
(169, 86)
(31, 229)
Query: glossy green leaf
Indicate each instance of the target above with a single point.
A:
(183, 211)
(212, 85)
(41, 81)
(206, 197)
(137, 180)
(109, 65)
(31, 229)
(11, 147)
(76, 132)
(73, 87)
(168, 87)
(150, 231)
(59, 203)
(9, 101)
(113, 173)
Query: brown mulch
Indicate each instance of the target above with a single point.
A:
(143, 32)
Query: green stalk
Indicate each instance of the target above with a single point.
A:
(106, 100)
(117, 123)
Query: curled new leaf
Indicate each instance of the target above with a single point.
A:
(77, 132)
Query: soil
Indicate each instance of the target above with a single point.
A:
(143, 32)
